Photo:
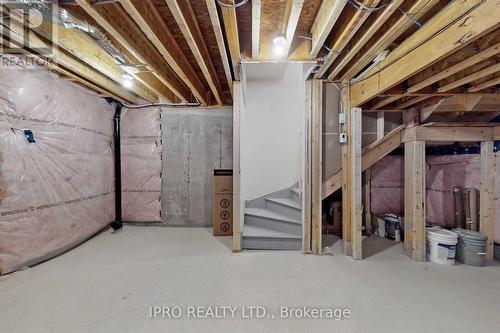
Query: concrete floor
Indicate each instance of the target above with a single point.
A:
(109, 283)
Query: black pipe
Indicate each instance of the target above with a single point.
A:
(117, 224)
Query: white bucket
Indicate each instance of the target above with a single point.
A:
(441, 246)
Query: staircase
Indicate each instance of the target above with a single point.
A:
(274, 222)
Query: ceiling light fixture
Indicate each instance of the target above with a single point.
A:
(279, 40)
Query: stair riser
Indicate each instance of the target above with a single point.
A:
(285, 210)
(272, 244)
(276, 225)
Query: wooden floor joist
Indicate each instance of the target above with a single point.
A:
(449, 40)
(232, 35)
(328, 14)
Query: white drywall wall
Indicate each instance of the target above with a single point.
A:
(272, 127)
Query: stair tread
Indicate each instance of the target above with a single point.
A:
(253, 231)
(296, 190)
(286, 202)
(270, 214)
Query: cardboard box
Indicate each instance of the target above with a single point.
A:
(223, 203)
(223, 181)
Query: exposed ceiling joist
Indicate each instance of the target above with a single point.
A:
(124, 30)
(152, 25)
(256, 10)
(328, 14)
(417, 10)
(365, 37)
(214, 18)
(484, 85)
(470, 78)
(187, 22)
(233, 39)
(346, 35)
(292, 15)
(451, 39)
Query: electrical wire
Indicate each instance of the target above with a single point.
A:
(129, 106)
(236, 5)
(362, 7)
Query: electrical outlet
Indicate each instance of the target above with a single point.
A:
(343, 138)
(342, 119)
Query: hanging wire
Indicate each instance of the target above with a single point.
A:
(236, 5)
(362, 7)
(413, 19)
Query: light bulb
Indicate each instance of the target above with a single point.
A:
(278, 50)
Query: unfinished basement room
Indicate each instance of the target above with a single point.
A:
(249, 166)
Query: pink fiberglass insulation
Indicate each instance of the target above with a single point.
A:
(141, 164)
(443, 173)
(57, 191)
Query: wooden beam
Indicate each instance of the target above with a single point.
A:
(186, 20)
(355, 170)
(478, 57)
(484, 85)
(487, 196)
(346, 173)
(306, 201)
(214, 18)
(292, 20)
(328, 14)
(17, 33)
(233, 40)
(415, 196)
(434, 49)
(256, 9)
(418, 9)
(85, 48)
(470, 78)
(316, 165)
(447, 134)
(149, 20)
(122, 28)
(354, 24)
(237, 204)
(388, 11)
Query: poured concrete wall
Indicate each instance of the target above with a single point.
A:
(195, 142)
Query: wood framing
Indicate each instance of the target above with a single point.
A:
(214, 18)
(316, 165)
(346, 173)
(150, 22)
(355, 182)
(447, 134)
(306, 197)
(388, 11)
(233, 39)
(123, 29)
(292, 15)
(487, 196)
(256, 9)
(452, 38)
(415, 196)
(328, 14)
(237, 204)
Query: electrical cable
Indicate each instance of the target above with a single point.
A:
(236, 5)
(362, 7)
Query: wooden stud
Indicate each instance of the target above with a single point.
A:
(233, 40)
(415, 196)
(355, 169)
(256, 9)
(487, 196)
(306, 200)
(237, 204)
(451, 39)
(346, 174)
(316, 165)
(328, 14)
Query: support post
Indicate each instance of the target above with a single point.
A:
(117, 224)
(487, 196)
(415, 196)
(306, 197)
(316, 165)
(355, 170)
(237, 216)
(346, 174)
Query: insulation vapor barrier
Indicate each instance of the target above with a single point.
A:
(443, 173)
(56, 166)
(141, 149)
